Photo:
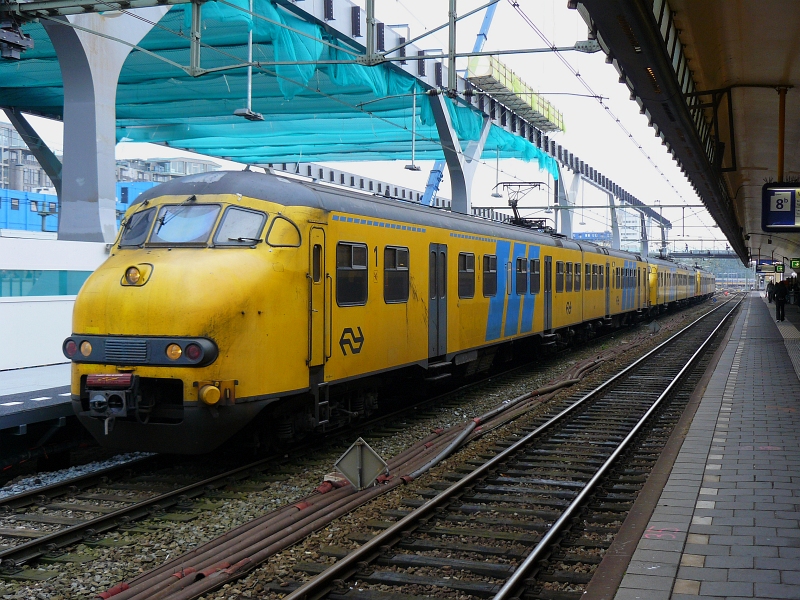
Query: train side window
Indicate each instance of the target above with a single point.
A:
(536, 278)
(559, 276)
(283, 233)
(594, 276)
(522, 276)
(600, 277)
(489, 275)
(135, 228)
(618, 278)
(568, 277)
(466, 275)
(352, 276)
(577, 277)
(316, 267)
(395, 275)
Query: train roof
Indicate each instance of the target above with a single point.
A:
(295, 192)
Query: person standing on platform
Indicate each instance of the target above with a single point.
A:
(781, 292)
(770, 291)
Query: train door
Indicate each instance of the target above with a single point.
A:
(437, 300)
(316, 302)
(608, 288)
(548, 293)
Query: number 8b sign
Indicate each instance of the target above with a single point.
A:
(780, 209)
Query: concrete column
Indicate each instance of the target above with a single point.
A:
(16, 171)
(615, 241)
(567, 201)
(90, 67)
(460, 165)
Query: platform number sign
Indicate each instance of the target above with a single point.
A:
(794, 264)
(780, 209)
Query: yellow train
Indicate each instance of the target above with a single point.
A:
(235, 297)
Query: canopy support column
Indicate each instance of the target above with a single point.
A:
(45, 156)
(460, 165)
(615, 241)
(645, 249)
(90, 67)
(566, 201)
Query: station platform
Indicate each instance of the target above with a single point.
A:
(34, 395)
(723, 514)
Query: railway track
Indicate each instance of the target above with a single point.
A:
(43, 522)
(40, 523)
(533, 520)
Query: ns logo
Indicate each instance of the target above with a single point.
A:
(351, 340)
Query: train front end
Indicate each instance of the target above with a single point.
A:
(175, 345)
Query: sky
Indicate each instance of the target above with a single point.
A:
(610, 135)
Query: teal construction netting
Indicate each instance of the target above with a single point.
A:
(312, 112)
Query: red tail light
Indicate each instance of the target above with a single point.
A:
(70, 348)
(193, 352)
(113, 380)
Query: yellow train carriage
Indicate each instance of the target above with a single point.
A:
(231, 292)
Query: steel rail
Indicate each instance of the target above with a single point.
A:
(321, 584)
(18, 555)
(62, 487)
(513, 583)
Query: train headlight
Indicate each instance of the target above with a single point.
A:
(133, 275)
(174, 352)
(70, 348)
(86, 348)
(137, 275)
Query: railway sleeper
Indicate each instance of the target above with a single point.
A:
(565, 577)
(483, 590)
(516, 499)
(495, 522)
(551, 595)
(509, 536)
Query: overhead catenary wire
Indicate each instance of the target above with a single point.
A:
(586, 85)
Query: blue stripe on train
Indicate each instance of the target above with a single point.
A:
(494, 323)
(529, 302)
(514, 301)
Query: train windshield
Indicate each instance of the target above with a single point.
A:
(240, 227)
(184, 224)
(136, 228)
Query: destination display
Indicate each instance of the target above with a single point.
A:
(780, 210)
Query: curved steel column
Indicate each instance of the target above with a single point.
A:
(90, 67)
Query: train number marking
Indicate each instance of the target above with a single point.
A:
(349, 338)
(569, 308)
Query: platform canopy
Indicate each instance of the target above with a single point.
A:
(312, 112)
